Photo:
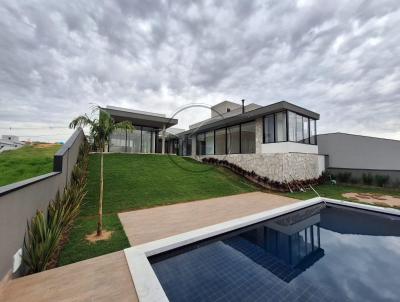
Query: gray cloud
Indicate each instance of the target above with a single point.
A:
(339, 58)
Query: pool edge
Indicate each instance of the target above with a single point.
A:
(147, 285)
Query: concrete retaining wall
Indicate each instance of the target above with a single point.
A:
(20, 201)
(348, 151)
(279, 167)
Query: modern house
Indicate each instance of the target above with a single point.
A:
(278, 141)
(10, 142)
(148, 135)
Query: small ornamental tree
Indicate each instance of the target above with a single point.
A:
(101, 129)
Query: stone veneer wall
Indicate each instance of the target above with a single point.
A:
(277, 166)
(259, 134)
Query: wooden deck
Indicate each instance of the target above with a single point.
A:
(107, 278)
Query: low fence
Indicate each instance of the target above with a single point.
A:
(20, 201)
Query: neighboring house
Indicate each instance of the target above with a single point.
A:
(361, 155)
(9, 142)
(277, 141)
(145, 138)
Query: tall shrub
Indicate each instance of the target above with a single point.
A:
(344, 177)
(368, 179)
(381, 180)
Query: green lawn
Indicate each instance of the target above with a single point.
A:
(141, 181)
(26, 162)
(336, 191)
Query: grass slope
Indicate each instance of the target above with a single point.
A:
(141, 181)
(26, 162)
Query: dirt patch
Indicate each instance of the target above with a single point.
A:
(44, 146)
(377, 199)
(105, 235)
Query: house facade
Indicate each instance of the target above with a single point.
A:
(278, 141)
(149, 134)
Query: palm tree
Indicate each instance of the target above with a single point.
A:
(100, 129)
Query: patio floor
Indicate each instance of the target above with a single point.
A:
(146, 225)
(104, 278)
(107, 278)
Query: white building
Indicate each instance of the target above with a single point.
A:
(9, 142)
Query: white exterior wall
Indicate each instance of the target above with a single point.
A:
(288, 147)
(222, 108)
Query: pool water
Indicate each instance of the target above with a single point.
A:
(316, 254)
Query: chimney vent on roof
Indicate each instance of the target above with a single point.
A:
(242, 106)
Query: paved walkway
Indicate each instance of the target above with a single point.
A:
(104, 278)
(155, 223)
(107, 278)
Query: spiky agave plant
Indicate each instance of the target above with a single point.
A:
(40, 242)
(67, 205)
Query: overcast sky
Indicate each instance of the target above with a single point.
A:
(339, 58)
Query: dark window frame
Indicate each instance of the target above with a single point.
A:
(255, 136)
(287, 128)
(226, 139)
(239, 142)
(198, 151)
(275, 128)
(263, 127)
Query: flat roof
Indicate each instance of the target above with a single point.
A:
(140, 118)
(360, 135)
(253, 114)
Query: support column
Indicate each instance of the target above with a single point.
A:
(194, 146)
(259, 134)
(163, 140)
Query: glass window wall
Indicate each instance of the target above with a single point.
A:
(220, 141)
(118, 141)
(313, 132)
(306, 130)
(139, 140)
(233, 139)
(280, 125)
(210, 142)
(201, 144)
(134, 140)
(269, 128)
(292, 126)
(299, 129)
(248, 137)
(147, 140)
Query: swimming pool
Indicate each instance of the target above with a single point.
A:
(318, 252)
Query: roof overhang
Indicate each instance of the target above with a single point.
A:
(253, 114)
(140, 118)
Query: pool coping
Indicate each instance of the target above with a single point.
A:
(147, 285)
